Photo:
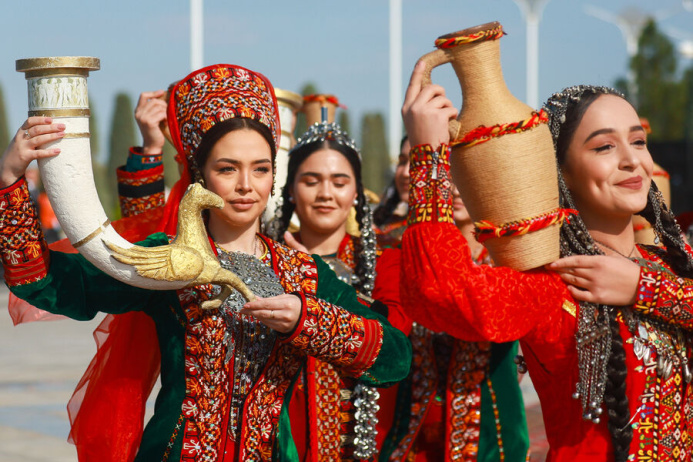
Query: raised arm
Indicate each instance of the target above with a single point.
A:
(443, 289)
(141, 179)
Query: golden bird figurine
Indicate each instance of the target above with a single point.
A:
(189, 257)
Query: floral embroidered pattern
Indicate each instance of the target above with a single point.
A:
(24, 250)
(333, 334)
(430, 198)
(218, 93)
(328, 405)
(662, 294)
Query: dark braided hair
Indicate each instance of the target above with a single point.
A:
(297, 157)
(576, 240)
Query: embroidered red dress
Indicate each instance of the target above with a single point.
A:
(481, 303)
(194, 414)
(322, 410)
(461, 400)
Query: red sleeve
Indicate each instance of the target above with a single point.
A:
(386, 288)
(444, 290)
(25, 255)
(663, 295)
(142, 187)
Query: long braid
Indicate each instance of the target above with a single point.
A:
(667, 229)
(615, 396)
(576, 240)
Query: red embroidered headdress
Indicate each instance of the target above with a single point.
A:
(201, 100)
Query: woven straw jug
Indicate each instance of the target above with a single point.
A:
(508, 178)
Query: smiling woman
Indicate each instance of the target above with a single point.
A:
(606, 330)
(227, 372)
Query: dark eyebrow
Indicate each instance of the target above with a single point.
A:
(634, 128)
(318, 175)
(237, 162)
(602, 131)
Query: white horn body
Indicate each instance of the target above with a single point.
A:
(57, 88)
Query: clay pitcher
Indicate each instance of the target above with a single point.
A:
(503, 159)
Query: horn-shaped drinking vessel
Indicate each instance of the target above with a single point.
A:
(57, 88)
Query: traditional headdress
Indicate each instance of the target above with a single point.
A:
(323, 131)
(203, 99)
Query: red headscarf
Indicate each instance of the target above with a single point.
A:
(201, 100)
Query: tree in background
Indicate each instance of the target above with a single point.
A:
(688, 108)
(122, 137)
(171, 172)
(661, 95)
(301, 125)
(4, 128)
(377, 172)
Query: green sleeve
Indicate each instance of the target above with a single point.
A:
(77, 289)
(394, 358)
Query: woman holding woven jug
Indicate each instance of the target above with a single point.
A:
(227, 365)
(605, 329)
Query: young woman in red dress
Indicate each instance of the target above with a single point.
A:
(605, 330)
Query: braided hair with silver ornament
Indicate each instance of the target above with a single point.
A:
(601, 356)
(329, 135)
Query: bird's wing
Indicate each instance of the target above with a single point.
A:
(164, 263)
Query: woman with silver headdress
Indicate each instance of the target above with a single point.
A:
(605, 330)
(227, 366)
(323, 184)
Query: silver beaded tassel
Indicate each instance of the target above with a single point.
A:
(366, 403)
(593, 340)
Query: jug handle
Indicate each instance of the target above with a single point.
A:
(434, 59)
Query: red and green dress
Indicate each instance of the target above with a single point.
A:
(322, 406)
(194, 416)
(483, 303)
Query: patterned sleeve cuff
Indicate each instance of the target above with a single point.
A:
(25, 254)
(430, 198)
(334, 335)
(140, 190)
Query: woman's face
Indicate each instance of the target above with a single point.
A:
(239, 169)
(402, 172)
(324, 191)
(459, 212)
(608, 168)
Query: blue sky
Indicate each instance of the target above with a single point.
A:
(341, 46)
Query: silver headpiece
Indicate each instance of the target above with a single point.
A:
(323, 131)
(557, 105)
